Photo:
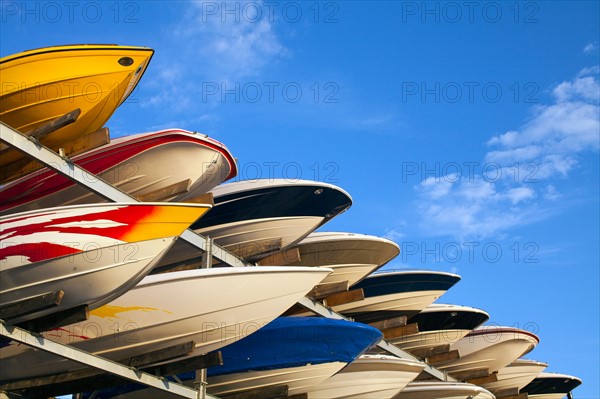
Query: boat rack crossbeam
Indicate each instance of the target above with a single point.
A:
(109, 366)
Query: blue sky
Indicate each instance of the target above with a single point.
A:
(466, 131)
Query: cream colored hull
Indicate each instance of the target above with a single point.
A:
(429, 339)
(148, 171)
(248, 238)
(212, 307)
(351, 256)
(516, 375)
(491, 351)
(368, 377)
(93, 277)
(298, 380)
(443, 390)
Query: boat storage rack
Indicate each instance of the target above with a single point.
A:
(30, 146)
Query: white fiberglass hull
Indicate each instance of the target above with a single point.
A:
(351, 256)
(443, 390)
(368, 377)
(93, 253)
(251, 237)
(247, 238)
(516, 375)
(405, 302)
(490, 349)
(138, 169)
(298, 379)
(212, 307)
(428, 339)
(93, 277)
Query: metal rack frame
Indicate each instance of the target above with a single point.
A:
(63, 165)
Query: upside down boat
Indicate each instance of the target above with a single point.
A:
(440, 324)
(211, 307)
(390, 294)
(551, 386)
(443, 390)
(368, 377)
(43, 84)
(138, 165)
(93, 253)
(351, 256)
(258, 217)
(515, 376)
(489, 348)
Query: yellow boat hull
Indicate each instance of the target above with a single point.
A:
(40, 85)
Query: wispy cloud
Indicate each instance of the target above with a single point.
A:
(590, 47)
(214, 49)
(527, 160)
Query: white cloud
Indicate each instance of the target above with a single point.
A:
(216, 49)
(520, 194)
(586, 87)
(590, 47)
(394, 235)
(546, 147)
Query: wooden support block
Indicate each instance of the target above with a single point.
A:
(211, 359)
(295, 309)
(78, 146)
(442, 357)
(507, 393)
(54, 125)
(401, 331)
(344, 297)
(56, 320)
(280, 258)
(298, 396)
(171, 352)
(389, 323)
(276, 392)
(207, 198)
(31, 305)
(167, 192)
(475, 375)
(436, 350)
(321, 291)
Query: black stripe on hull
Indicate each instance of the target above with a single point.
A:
(385, 284)
(546, 385)
(449, 320)
(272, 202)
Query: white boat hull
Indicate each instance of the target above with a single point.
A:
(516, 375)
(298, 379)
(93, 253)
(212, 307)
(93, 277)
(368, 377)
(428, 339)
(491, 350)
(144, 172)
(351, 256)
(248, 238)
(405, 302)
(443, 390)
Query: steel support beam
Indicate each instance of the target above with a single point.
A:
(67, 168)
(69, 352)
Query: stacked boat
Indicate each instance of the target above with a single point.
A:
(66, 249)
